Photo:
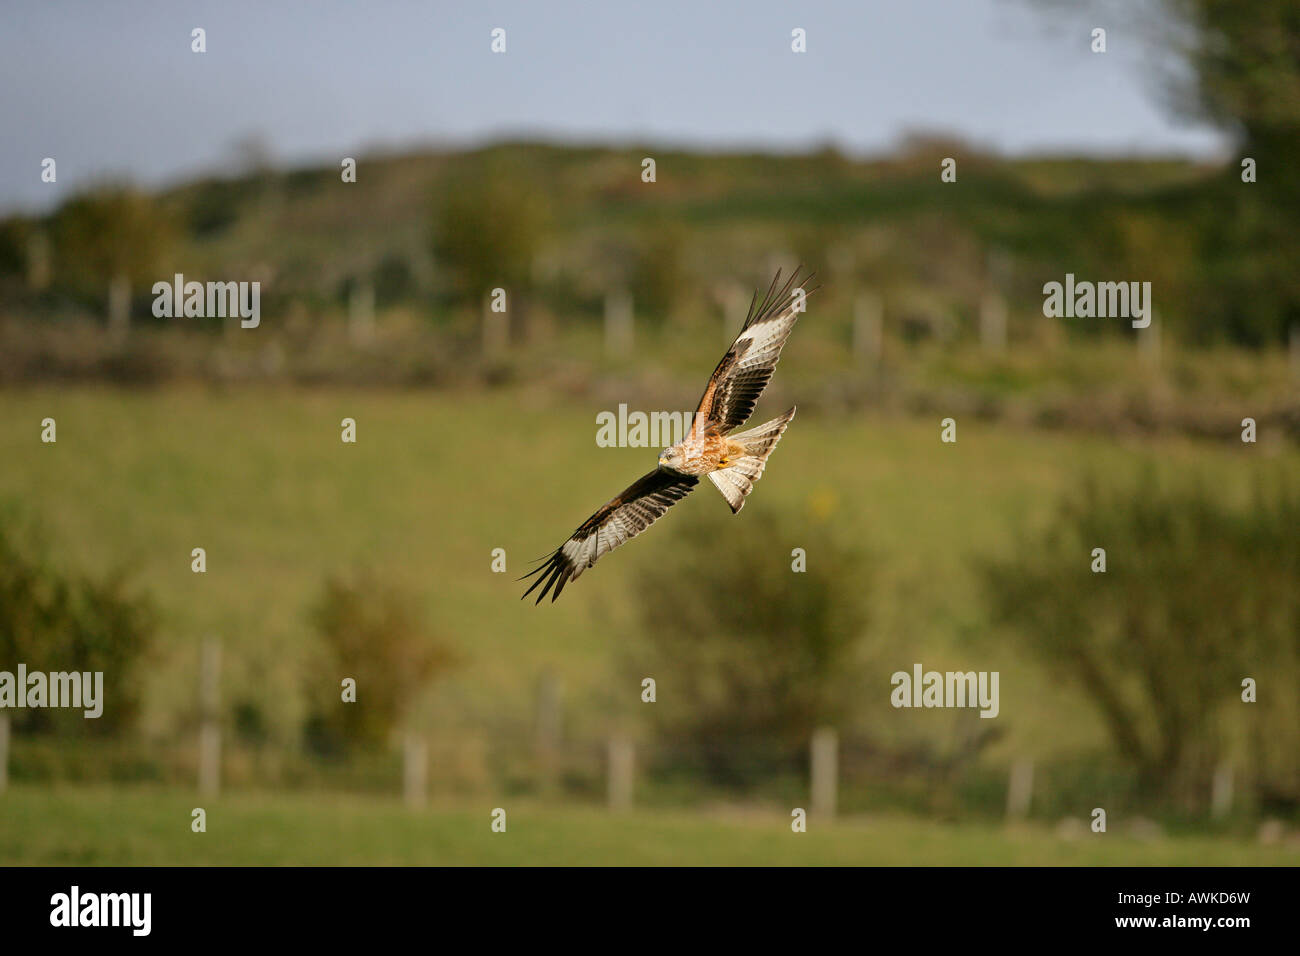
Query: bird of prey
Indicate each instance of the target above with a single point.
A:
(732, 460)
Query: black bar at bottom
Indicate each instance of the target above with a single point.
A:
(333, 905)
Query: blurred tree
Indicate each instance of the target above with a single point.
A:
(394, 279)
(1246, 63)
(660, 280)
(371, 632)
(54, 621)
(109, 629)
(32, 595)
(1236, 65)
(489, 225)
(749, 655)
(1195, 597)
(112, 232)
(15, 234)
(214, 205)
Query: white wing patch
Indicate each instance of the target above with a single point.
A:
(767, 339)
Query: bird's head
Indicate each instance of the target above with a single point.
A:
(670, 457)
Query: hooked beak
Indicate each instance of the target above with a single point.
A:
(663, 461)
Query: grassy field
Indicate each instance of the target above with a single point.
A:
(260, 479)
(140, 827)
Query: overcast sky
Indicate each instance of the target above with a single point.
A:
(112, 89)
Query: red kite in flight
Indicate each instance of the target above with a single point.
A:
(733, 462)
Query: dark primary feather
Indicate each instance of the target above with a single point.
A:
(619, 520)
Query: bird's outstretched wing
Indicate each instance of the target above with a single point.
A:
(621, 519)
(745, 370)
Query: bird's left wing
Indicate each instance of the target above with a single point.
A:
(743, 373)
(621, 519)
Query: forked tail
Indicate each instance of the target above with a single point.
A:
(736, 480)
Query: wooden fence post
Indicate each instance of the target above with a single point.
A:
(1020, 789)
(415, 769)
(1221, 791)
(622, 763)
(868, 328)
(619, 323)
(209, 726)
(119, 307)
(825, 772)
(496, 329)
(361, 313)
(993, 321)
(550, 692)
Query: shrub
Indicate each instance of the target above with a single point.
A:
(750, 657)
(370, 631)
(52, 620)
(1197, 595)
(488, 227)
(110, 232)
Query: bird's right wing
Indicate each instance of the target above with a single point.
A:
(743, 373)
(621, 519)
